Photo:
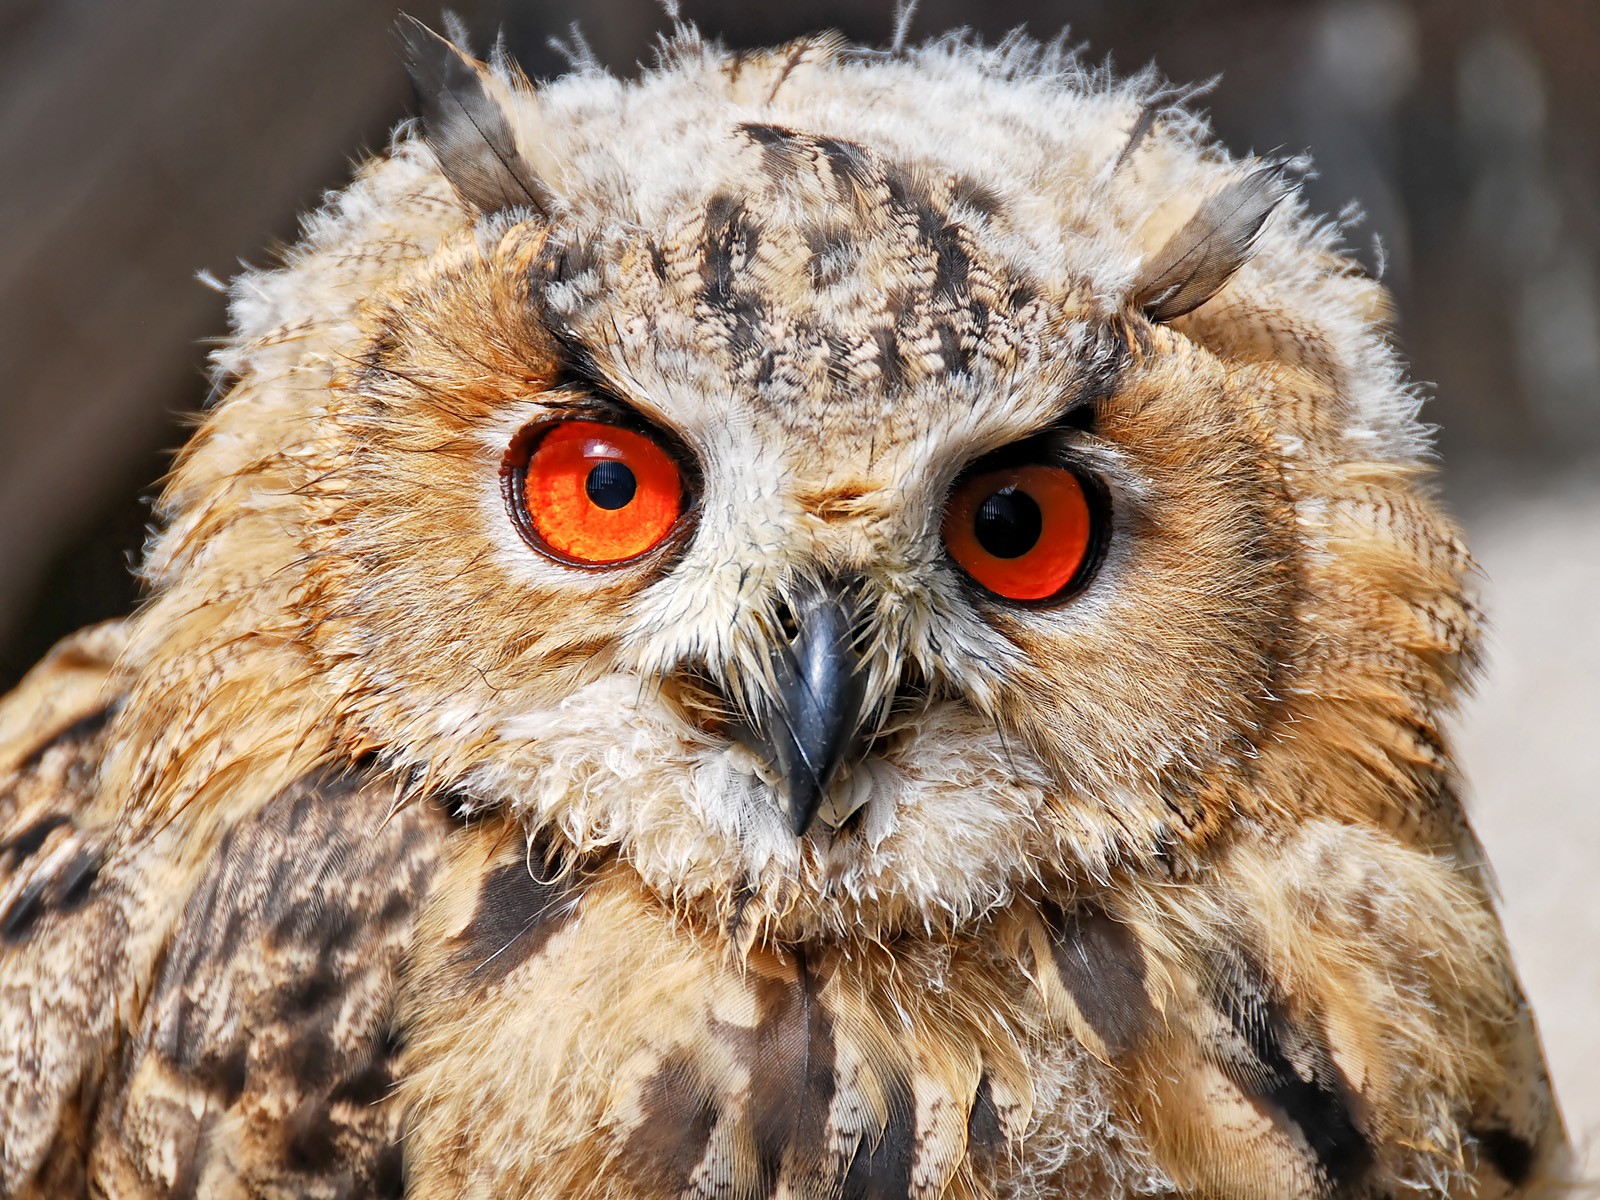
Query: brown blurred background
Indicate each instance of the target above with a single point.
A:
(143, 143)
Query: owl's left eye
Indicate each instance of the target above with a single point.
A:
(591, 494)
(1025, 533)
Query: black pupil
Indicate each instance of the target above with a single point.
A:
(610, 484)
(1008, 523)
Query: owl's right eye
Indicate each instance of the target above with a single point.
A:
(590, 494)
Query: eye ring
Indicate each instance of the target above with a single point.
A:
(594, 494)
(1029, 533)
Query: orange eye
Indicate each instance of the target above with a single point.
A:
(1023, 532)
(594, 495)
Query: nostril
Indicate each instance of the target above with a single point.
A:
(847, 593)
(788, 626)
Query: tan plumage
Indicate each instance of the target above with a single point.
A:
(383, 853)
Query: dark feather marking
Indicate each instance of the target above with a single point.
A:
(76, 881)
(763, 134)
(223, 1074)
(25, 910)
(979, 197)
(791, 1061)
(796, 56)
(1202, 256)
(1510, 1155)
(68, 888)
(1290, 1069)
(369, 1084)
(658, 262)
(849, 163)
(746, 340)
(311, 1139)
(84, 729)
(26, 843)
(833, 251)
(766, 366)
(983, 1128)
(516, 915)
(782, 150)
(278, 886)
(908, 192)
(881, 1170)
(891, 363)
(728, 230)
(389, 1174)
(838, 358)
(1102, 968)
(1141, 128)
(952, 263)
(716, 249)
(677, 1117)
(561, 260)
(951, 355)
(745, 890)
(309, 1057)
(63, 892)
(465, 127)
(1021, 294)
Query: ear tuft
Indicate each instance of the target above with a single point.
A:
(467, 127)
(1202, 256)
(1141, 129)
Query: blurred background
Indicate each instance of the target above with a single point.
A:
(141, 144)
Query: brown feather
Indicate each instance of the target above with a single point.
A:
(62, 930)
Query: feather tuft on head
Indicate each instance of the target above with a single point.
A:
(1196, 262)
(468, 126)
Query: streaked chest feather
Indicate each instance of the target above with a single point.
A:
(406, 1006)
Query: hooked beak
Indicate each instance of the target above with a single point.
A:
(813, 716)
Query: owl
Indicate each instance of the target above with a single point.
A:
(826, 624)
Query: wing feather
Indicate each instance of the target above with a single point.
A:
(268, 1050)
(62, 935)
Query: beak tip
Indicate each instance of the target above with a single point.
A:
(800, 804)
(813, 717)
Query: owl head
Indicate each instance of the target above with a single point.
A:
(852, 488)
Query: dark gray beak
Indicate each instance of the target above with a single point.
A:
(815, 713)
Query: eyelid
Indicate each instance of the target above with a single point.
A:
(572, 402)
(1115, 469)
(1077, 449)
(1056, 445)
(1052, 442)
(584, 376)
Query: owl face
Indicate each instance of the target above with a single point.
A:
(842, 540)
